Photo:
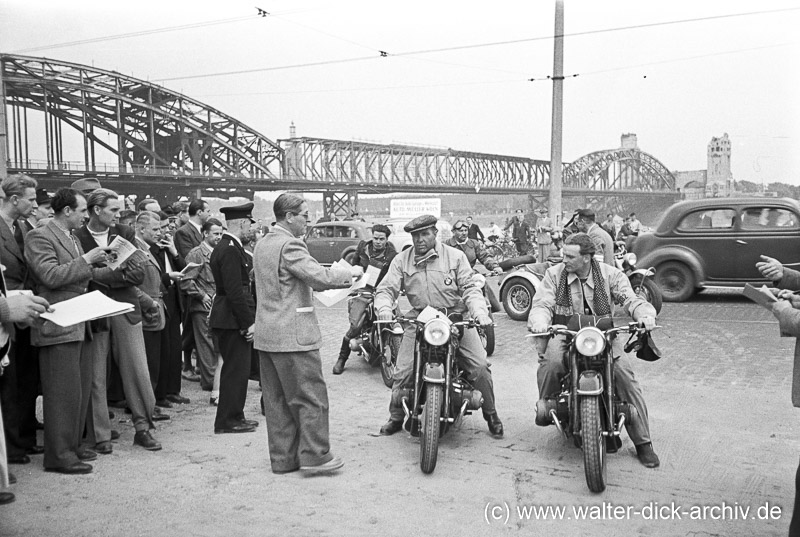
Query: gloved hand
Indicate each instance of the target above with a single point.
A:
(484, 320)
(648, 323)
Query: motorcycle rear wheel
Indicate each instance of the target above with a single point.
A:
(431, 427)
(486, 334)
(391, 348)
(594, 445)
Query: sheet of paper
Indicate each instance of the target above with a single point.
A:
(88, 307)
(121, 250)
(333, 296)
(191, 270)
(762, 296)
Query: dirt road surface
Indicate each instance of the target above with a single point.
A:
(721, 419)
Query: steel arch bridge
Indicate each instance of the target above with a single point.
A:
(155, 135)
(62, 121)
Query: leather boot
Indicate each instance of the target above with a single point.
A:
(344, 354)
(338, 367)
(495, 425)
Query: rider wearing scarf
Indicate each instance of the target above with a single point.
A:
(581, 285)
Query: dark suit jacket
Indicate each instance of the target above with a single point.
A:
(474, 232)
(13, 258)
(233, 306)
(118, 284)
(187, 237)
(171, 297)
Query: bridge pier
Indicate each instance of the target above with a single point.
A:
(340, 204)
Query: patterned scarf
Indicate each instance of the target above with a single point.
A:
(563, 310)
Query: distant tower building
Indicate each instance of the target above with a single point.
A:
(629, 141)
(719, 178)
(293, 165)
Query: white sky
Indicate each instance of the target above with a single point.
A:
(674, 85)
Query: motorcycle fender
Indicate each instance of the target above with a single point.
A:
(590, 383)
(520, 274)
(434, 373)
(644, 272)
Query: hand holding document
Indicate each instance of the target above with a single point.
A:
(191, 270)
(762, 296)
(333, 296)
(88, 307)
(120, 251)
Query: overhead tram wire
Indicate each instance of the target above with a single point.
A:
(383, 54)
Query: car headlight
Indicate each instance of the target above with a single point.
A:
(479, 280)
(437, 331)
(590, 341)
(630, 258)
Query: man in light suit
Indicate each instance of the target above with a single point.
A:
(20, 383)
(123, 333)
(62, 271)
(188, 237)
(288, 340)
(232, 320)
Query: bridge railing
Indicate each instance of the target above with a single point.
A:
(115, 169)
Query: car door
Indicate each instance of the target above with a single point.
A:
(709, 233)
(765, 229)
(321, 243)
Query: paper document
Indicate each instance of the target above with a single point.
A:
(88, 307)
(762, 296)
(121, 250)
(191, 270)
(333, 296)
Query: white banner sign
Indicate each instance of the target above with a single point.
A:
(411, 208)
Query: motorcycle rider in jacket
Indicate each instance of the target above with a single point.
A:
(376, 251)
(582, 285)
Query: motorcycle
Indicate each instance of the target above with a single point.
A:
(441, 395)
(587, 409)
(641, 280)
(376, 342)
(486, 333)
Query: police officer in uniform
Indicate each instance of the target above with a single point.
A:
(439, 276)
(232, 319)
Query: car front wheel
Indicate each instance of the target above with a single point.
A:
(675, 280)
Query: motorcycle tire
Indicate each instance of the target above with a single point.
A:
(391, 349)
(431, 427)
(486, 334)
(373, 348)
(648, 290)
(594, 443)
(517, 299)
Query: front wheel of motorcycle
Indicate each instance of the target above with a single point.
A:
(391, 348)
(648, 290)
(431, 427)
(594, 445)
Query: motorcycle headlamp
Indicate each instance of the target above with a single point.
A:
(630, 258)
(479, 280)
(590, 341)
(437, 331)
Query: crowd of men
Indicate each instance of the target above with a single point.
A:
(182, 265)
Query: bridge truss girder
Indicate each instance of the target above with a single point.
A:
(155, 130)
(619, 169)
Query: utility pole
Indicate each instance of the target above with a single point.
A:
(558, 112)
(3, 127)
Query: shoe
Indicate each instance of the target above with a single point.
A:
(190, 375)
(282, 472)
(324, 468)
(114, 434)
(251, 423)
(19, 459)
(104, 448)
(214, 401)
(118, 404)
(177, 398)
(73, 469)
(495, 425)
(647, 456)
(6, 497)
(87, 455)
(146, 440)
(163, 403)
(12, 479)
(34, 450)
(158, 415)
(338, 367)
(391, 427)
(240, 428)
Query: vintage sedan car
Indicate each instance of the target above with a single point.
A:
(331, 241)
(716, 242)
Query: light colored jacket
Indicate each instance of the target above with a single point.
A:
(618, 290)
(286, 276)
(603, 244)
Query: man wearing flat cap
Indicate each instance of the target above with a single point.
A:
(438, 276)
(86, 186)
(604, 246)
(232, 319)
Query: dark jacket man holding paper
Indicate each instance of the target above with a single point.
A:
(288, 340)
(122, 333)
(62, 271)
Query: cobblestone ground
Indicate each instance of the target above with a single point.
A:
(721, 420)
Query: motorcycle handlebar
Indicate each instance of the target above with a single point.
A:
(561, 330)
